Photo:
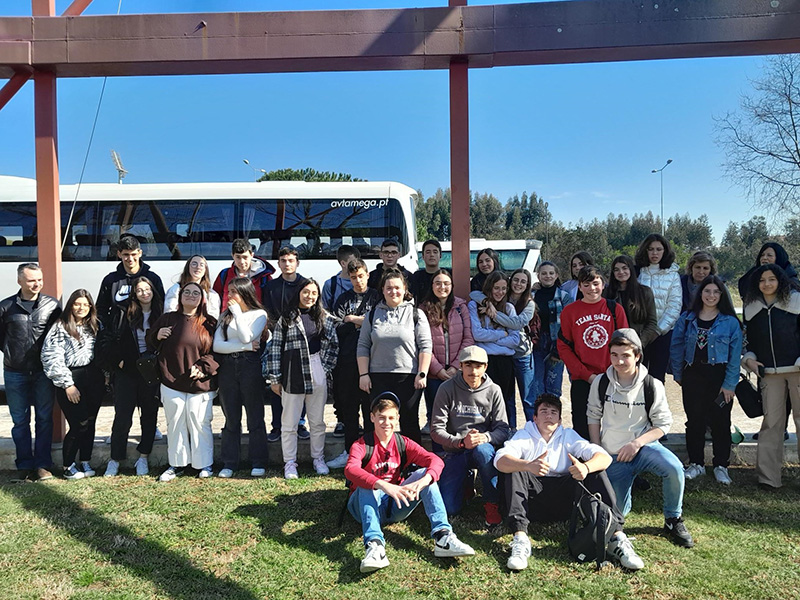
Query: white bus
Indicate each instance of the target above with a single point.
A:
(174, 221)
(514, 254)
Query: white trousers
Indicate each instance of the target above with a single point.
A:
(189, 436)
(315, 412)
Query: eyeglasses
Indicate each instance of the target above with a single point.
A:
(389, 252)
(191, 294)
(443, 284)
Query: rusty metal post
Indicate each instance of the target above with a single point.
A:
(459, 175)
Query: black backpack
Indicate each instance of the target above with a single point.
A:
(591, 528)
(369, 443)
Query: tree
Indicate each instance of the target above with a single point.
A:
(433, 216)
(762, 140)
(307, 174)
(487, 217)
(695, 234)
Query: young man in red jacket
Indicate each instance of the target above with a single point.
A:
(379, 494)
(586, 328)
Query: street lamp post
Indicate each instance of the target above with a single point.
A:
(255, 171)
(661, 172)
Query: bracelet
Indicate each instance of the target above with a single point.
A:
(364, 375)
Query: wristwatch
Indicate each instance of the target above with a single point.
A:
(421, 375)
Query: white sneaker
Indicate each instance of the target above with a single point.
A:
(87, 469)
(339, 462)
(721, 475)
(450, 545)
(205, 473)
(320, 467)
(72, 472)
(375, 558)
(621, 549)
(520, 551)
(290, 470)
(257, 472)
(112, 470)
(142, 468)
(170, 474)
(225, 473)
(694, 470)
(158, 436)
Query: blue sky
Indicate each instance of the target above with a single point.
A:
(583, 137)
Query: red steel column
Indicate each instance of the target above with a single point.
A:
(459, 175)
(48, 205)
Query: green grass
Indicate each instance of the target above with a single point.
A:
(246, 539)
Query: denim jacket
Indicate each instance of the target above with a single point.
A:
(724, 346)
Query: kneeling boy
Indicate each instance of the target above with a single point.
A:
(379, 494)
(539, 470)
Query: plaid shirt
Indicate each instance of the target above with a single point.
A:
(289, 340)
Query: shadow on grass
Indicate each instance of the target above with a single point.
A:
(318, 512)
(176, 576)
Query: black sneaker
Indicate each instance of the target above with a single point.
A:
(676, 529)
(338, 431)
(274, 436)
(302, 433)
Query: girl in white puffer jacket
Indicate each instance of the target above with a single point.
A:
(657, 270)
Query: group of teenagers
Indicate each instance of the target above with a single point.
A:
(377, 341)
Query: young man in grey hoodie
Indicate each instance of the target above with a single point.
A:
(627, 420)
(469, 423)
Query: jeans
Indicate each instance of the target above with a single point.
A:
(652, 458)
(524, 373)
(373, 508)
(548, 375)
(656, 356)
(501, 371)
(277, 411)
(23, 391)
(402, 384)
(130, 391)
(430, 394)
(451, 483)
(700, 387)
(82, 415)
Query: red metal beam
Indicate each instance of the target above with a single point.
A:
(76, 8)
(459, 175)
(12, 86)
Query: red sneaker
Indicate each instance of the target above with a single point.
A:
(492, 513)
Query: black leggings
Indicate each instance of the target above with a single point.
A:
(700, 387)
(402, 384)
(82, 416)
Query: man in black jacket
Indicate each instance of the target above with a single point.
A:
(116, 286)
(25, 318)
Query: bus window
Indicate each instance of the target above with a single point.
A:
(19, 231)
(316, 228)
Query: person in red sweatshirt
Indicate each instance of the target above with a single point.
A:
(586, 328)
(379, 494)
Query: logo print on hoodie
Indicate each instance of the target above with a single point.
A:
(595, 337)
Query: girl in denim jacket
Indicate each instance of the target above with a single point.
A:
(705, 353)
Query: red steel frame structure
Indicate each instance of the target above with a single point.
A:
(456, 37)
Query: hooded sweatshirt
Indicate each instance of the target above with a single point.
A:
(528, 444)
(459, 408)
(116, 289)
(621, 414)
(260, 273)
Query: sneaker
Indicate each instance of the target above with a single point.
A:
(142, 468)
(426, 429)
(694, 470)
(72, 472)
(205, 472)
(302, 433)
(112, 469)
(338, 431)
(158, 436)
(677, 531)
(257, 472)
(87, 469)
(621, 549)
(290, 470)
(339, 462)
(170, 474)
(108, 441)
(43, 474)
(520, 551)
(449, 546)
(491, 511)
(225, 473)
(320, 467)
(375, 557)
(721, 475)
(274, 436)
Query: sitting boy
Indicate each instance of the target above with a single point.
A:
(628, 413)
(539, 470)
(379, 494)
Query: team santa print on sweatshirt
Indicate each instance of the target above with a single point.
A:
(589, 328)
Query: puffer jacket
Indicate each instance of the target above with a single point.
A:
(496, 340)
(22, 332)
(772, 333)
(460, 336)
(667, 291)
